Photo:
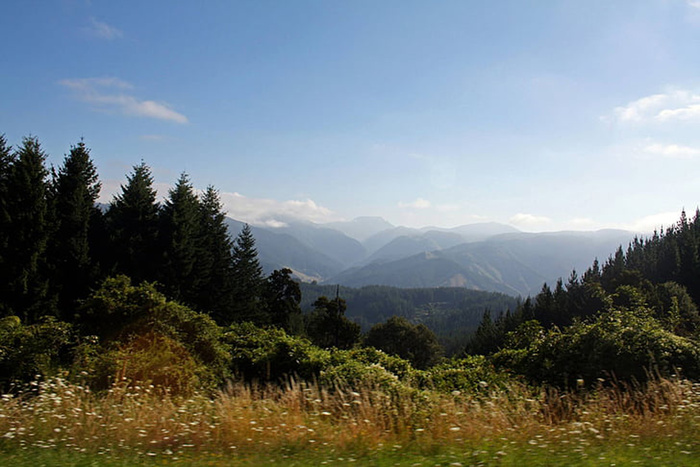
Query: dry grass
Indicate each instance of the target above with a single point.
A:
(246, 420)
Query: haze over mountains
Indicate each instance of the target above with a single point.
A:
(486, 256)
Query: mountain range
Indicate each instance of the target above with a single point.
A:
(486, 256)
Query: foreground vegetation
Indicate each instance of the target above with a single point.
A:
(145, 334)
(306, 424)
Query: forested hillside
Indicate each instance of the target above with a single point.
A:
(452, 313)
(635, 313)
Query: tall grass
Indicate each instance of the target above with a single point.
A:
(246, 420)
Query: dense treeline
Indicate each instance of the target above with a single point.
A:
(91, 286)
(634, 313)
(57, 245)
(452, 313)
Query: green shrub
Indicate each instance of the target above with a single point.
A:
(472, 374)
(623, 344)
(269, 354)
(367, 367)
(125, 317)
(413, 342)
(28, 351)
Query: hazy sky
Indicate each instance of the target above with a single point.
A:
(543, 114)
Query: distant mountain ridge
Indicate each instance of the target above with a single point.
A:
(488, 256)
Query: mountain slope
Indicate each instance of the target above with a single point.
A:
(408, 245)
(516, 264)
(281, 250)
(326, 241)
(360, 228)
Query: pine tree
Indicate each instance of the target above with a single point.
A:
(215, 260)
(24, 282)
(180, 240)
(247, 280)
(133, 222)
(6, 162)
(74, 192)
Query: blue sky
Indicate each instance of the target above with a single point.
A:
(546, 115)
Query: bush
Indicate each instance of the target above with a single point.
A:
(271, 354)
(472, 375)
(367, 367)
(129, 321)
(623, 344)
(30, 350)
(413, 342)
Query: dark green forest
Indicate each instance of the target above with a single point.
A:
(161, 292)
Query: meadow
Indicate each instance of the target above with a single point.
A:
(60, 423)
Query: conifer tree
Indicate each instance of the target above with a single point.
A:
(133, 222)
(24, 282)
(247, 280)
(6, 161)
(215, 260)
(74, 192)
(180, 240)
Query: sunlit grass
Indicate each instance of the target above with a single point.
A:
(304, 424)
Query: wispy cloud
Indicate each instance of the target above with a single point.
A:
(672, 151)
(529, 220)
(582, 223)
(693, 4)
(102, 30)
(653, 222)
(110, 94)
(419, 203)
(674, 105)
(448, 207)
(273, 213)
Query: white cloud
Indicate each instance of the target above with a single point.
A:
(672, 151)
(103, 30)
(653, 222)
(529, 220)
(683, 113)
(90, 84)
(582, 223)
(693, 4)
(108, 94)
(674, 105)
(448, 207)
(419, 203)
(273, 213)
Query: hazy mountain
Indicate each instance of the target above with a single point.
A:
(329, 242)
(405, 245)
(482, 230)
(360, 228)
(278, 250)
(391, 244)
(511, 263)
(378, 240)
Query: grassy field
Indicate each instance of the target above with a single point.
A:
(302, 424)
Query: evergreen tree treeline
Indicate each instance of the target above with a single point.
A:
(56, 245)
(660, 273)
